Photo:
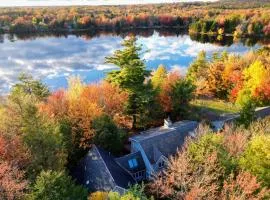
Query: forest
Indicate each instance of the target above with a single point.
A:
(44, 133)
(236, 18)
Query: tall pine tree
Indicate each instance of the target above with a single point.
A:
(131, 78)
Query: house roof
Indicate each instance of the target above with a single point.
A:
(121, 177)
(124, 162)
(164, 140)
(98, 170)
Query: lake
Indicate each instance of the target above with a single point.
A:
(53, 58)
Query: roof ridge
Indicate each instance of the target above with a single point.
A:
(150, 133)
(127, 155)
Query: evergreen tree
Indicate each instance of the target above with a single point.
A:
(131, 78)
(107, 135)
(198, 68)
(182, 93)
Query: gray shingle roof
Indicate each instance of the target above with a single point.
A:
(98, 170)
(93, 173)
(166, 140)
(121, 177)
(123, 161)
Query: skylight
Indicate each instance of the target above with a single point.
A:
(133, 163)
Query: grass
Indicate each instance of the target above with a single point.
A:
(216, 106)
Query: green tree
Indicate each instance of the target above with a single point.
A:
(45, 141)
(247, 113)
(132, 71)
(107, 135)
(198, 67)
(130, 77)
(181, 94)
(52, 185)
(256, 158)
(28, 86)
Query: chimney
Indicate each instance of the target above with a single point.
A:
(167, 123)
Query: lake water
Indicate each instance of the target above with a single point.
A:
(56, 57)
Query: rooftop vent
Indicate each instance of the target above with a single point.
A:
(167, 123)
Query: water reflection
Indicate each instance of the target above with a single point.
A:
(54, 57)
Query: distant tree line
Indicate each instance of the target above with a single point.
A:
(197, 17)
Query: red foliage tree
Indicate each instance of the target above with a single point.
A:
(56, 105)
(166, 87)
(12, 182)
(14, 152)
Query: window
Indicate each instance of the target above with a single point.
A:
(139, 175)
(161, 164)
(133, 163)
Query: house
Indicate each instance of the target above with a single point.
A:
(150, 150)
(99, 171)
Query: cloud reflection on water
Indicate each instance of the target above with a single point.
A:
(53, 59)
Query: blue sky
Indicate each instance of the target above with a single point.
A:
(82, 2)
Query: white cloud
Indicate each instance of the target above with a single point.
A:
(179, 68)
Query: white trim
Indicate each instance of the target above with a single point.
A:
(164, 158)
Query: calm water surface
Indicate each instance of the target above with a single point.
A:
(54, 58)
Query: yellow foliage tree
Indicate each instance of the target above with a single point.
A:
(159, 76)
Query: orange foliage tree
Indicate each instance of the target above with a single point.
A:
(166, 88)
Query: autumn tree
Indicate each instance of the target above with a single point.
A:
(216, 83)
(81, 112)
(208, 167)
(243, 186)
(164, 97)
(255, 158)
(254, 77)
(14, 151)
(13, 184)
(158, 77)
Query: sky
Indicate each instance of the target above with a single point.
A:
(5, 3)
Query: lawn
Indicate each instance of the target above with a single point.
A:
(216, 106)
